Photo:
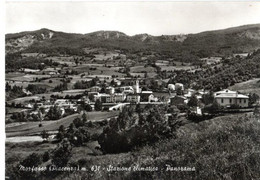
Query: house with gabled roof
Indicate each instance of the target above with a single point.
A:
(228, 98)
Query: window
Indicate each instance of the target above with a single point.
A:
(240, 100)
(222, 100)
(244, 100)
(230, 101)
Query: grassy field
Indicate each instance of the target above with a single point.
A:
(225, 147)
(15, 152)
(9, 76)
(100, 70)
(172, 68)
(251, 86)
(30, 128)
(46, 95)
(138, 69)
(42, 84)
(28, 77)
(33, 55)
(108, 55)
(63, 60)
(162, 63)
(13, 110)
(24, 99)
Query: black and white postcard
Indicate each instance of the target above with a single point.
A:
(128, 90)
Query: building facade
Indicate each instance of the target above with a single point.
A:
(228, 98)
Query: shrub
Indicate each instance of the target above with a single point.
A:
(62, 154)
(234, 106)
(33, 160)
(46, 156)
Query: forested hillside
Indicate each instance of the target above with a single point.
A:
(231, 71)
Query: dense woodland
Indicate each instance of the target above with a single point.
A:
(15, 62)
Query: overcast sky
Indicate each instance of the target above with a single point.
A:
(154, 18)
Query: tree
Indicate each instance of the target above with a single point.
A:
(33, 160)
(88, 107)
(46, 156)
(62, 154)
(257, 111)
(78, 122)
(253, 98)
(193, 102)
(35, 106)
(54, 113)
(138, 108)
(44, 135)
(179, 91)
(212, 108)
(208, 98)
(61, 133)
(84, 117)
(20, 116)
(71, 129)
(76, 61)
(34, 89)
(80, 136)
(98, 105)
(61, 87)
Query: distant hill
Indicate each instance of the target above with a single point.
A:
(227, 41)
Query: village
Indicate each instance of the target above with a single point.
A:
(121, 92)
(111, 80)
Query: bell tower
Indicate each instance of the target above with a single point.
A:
(137, 86)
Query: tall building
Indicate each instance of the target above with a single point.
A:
(136, 87)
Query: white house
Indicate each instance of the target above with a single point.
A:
(171, 87)
(127, 89)
(133, 98)
(114, 98)
(95, 89)
(147, 96)
(110, 90)
(118, 97)
(227, 98)
(102, 97)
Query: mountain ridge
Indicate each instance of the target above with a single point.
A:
(229, 28)
(241, 38)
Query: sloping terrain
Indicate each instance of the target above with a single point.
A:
(237, 39)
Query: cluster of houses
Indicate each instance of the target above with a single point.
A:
(62, 104)
(133, 94)
(225, 98)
